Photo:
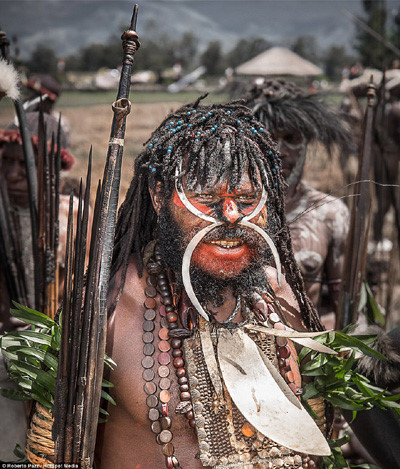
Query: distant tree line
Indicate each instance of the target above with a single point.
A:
(374, 53)
(160, 51)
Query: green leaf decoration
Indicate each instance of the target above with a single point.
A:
(31, 316)
(35, 337)
(109, 362)
(41, 377)
(336, 378)
(55, 337)
(19, 452)
(355, 343)
(15, 394)
(107, 397)
(374, 312)
(44, 357)
(336, 460)
(106, 384)
(363, 297)
(33, 358)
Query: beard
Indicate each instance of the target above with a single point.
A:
(209, 288)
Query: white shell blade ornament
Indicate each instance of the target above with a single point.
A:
(302, 338)
(260, 399)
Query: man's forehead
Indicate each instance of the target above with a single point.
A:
(214, 183)
(12, 150)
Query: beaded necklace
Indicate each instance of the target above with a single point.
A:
(157, 379)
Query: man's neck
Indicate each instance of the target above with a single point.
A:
(228, 308)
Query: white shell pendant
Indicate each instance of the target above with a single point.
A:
(261, 400)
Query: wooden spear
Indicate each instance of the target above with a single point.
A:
(357, 241)
(110, 192)
(76, 420)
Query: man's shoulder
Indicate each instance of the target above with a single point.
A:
(327, 203)
(132, 296)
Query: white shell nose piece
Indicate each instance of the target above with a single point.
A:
(187, 257)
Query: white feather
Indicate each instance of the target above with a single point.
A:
(9, 79)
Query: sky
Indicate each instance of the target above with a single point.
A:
(67, 25)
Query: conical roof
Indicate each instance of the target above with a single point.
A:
(278, 61)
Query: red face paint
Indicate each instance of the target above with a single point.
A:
(224, 258)
(221, 261)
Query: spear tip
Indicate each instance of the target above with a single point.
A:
(134, 18)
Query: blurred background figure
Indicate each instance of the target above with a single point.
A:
(13, 175)
(42, 92)
(318, 222)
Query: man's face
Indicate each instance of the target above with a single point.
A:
(227, 250)
(14, 173)
(292, 148)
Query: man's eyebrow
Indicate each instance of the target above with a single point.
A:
(209, 191)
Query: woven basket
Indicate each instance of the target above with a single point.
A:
(39, 444)
(318, 406)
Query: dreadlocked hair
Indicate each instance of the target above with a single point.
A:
(283, 105)
(205, 142)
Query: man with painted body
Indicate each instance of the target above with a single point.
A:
(318, 222)
(197, 268)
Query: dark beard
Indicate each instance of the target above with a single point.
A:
(209, 288)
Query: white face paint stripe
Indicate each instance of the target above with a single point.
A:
(259, 207)
(186, 202)
(187, 257)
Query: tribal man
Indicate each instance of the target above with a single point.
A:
(318, 222)
(206, 296)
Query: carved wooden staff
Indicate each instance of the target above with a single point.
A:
(78, 393)
(357, 241)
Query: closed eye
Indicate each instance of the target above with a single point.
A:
(247, 200)
(205, 199)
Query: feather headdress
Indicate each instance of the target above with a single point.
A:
(283, 105)
(9, 79)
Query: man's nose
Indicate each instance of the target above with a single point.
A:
(281, 147)
(230, 211)
(15, 172)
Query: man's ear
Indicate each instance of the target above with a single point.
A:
(155, 195)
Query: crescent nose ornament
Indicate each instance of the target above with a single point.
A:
(187, 256)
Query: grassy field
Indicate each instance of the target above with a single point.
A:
(91, 98)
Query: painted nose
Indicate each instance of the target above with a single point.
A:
(230, 211)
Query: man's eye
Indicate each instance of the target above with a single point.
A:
(205, 198)
(292, 139)
(245, 200)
